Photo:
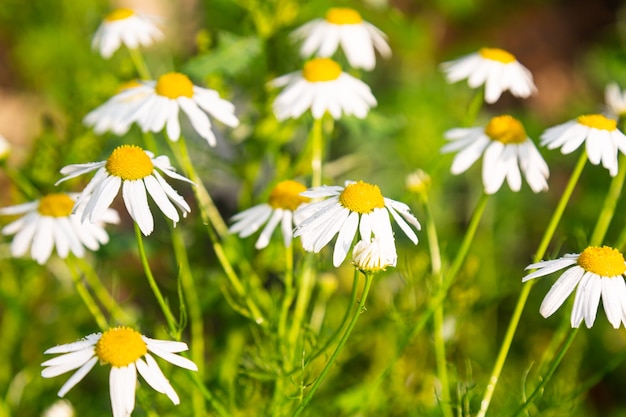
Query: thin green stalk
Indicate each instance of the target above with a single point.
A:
(305, 288)
(101, 292)
(358, 309)
(23, 184)
(610, 201)
(90, 303)
(523, 297)
(317, 139)
(438, 317)
(555, 363)
(195, 312)
(287, 298)
(215, 404)
(139, 63)
(169, 317)
(473, 108)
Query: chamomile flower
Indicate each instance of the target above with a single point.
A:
(127, 351)
(48, 223)
(284, 199)
(506, 149)
(322, 87)
(615, 100)
(373, 256)
(346, 28)
(602, 139)
(157, 105)
(356, 206)
(496, 68)
(134, 171)
(597, 272)
(125, 26)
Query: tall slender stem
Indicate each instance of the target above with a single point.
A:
(610, 201)
(523, 297)
(317, 139)
(139, 63)
(358, 309)
(169, 317)
(90, 303)
(305, 288)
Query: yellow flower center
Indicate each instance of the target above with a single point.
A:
(56, 205)
(129, 162)
(361, 197)
(173, 85)
(604, 261)
(505, 129)
(321, 69)
(497, 54)
(597, 121)
(119, 14)
(286, 195)
(120, 346)
(343, 16)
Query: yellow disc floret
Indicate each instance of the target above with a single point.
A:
(321, 69)
(505, 129)
(497, 54)
(129, 162)
(119, 14)
(343, 16)
(120, 346)
(361, 197)
(56, 205)
(597, 121)
(286, 195)
(604, 261)
(173, 85)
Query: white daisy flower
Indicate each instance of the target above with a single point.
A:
(124, 26)
(373, 256)
(358, 205)
(156, 105)
(48, 223)
(322, 87)
(135, 171)
(284, 199)
(115, 114)
(497, 69)
(345, 27)
(601, 136)
(506, 149)
(615, 100)
(598, 272)
(5, 148)
(127, 351)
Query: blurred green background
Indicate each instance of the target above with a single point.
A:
(50, 78)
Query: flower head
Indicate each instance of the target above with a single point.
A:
(135, 171)
(124, 26)
(322, 87)
(601, 136)
(598, 272)
(497, 69)
(506, 149)
(615, 100)
(357, 205)
(343, 27)
(157, 105)
(127, 351)
(283, 201)
(48, 223)
(373, 256)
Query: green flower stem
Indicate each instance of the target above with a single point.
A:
(23, 184)
(358, 309)
(169, 317)
(195, 312)
(317, 139)
(91, 304)
(610, 201)
(523, 297)
(438, 315)
(555, 363)
(140, 63)
(288, 295)
(474, 108)
(210, 215)
(215, 404)
(305, 288)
